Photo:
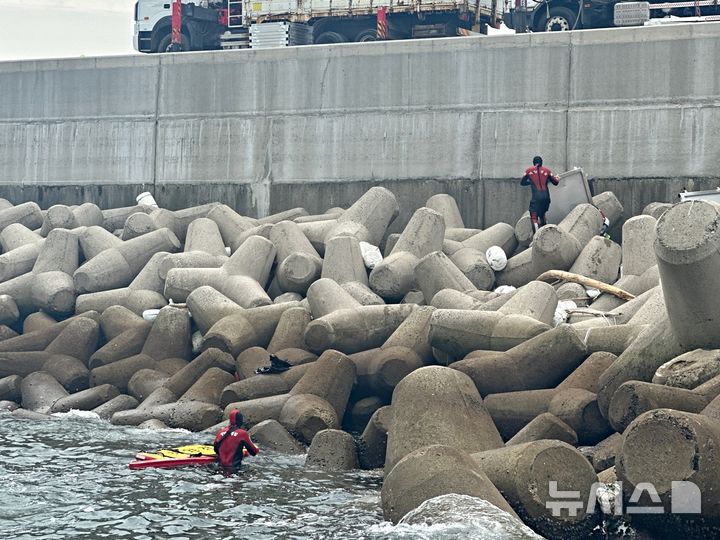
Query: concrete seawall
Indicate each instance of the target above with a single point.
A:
(638, 109)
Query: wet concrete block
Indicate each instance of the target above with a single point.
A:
(129, 343)
(605, 452)
(357, 418)
(304, 415)
(662, 447)
(209, 386)
(122, 402)
(431, 471)
(180, 382)
(271, 435)
(40, 391)
(436, 403)
(169, 336)
(522, 473)
(10, 388)
(145, 381)
(86, 400)
(258, 410)
(513, 411)
(69, 371)
(78, 339)
(332, 450)
(119, 373)
(372, 444)
(379, 371)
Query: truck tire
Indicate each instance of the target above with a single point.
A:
(331, 37)
(560, 19)
(367, 34)
(165, 43)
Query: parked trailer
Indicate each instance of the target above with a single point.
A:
(208, 25)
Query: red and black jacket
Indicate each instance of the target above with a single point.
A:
(537, 177)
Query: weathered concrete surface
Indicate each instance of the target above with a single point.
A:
(69, 133)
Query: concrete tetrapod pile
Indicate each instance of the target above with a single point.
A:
(451, 373)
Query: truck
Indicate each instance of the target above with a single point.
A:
(225, 24)
(563, 15)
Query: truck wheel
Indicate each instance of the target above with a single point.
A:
(368, 34)
(331, 37)
(164, 45)
(561, 19)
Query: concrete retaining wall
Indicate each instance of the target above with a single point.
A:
(638, 109)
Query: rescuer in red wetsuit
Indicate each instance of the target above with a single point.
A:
(231, 441)
(537, 177)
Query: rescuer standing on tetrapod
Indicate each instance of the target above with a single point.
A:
(537, 177)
